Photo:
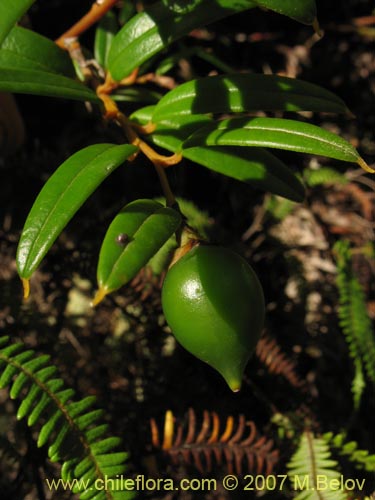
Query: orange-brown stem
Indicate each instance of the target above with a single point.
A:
(108, 86)
(97, 11)
(144, 129)
(159, 161)
(129, 80)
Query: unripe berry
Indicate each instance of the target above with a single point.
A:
(214, 304)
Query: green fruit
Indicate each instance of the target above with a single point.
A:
(214, 304)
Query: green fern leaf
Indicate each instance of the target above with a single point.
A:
(358, 382)
(54, 448)
(7, 376)
(361, 459)
(312, 461)
(10, 350)
(88, 419)
(79, 407)
(73, 429)
(29, 400)
(83, 467)
(324, 176)
(105, 445)
(354, 320)
(112, 459)
(48, 428)
(96, 432)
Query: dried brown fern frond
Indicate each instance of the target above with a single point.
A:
(270, 354)
(238, 445)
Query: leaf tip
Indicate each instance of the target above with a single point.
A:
(361, 162)
(99, 296)
(26, 288)
(234, 382)
(235, 387)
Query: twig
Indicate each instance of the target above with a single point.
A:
(97, 11)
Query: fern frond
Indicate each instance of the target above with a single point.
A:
(361, 459)
(310, 462)
(324, 176)
(235, 445)
(279, 207)
(270, 354)
(354, 319)
(72, 429)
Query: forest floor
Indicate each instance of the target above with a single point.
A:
(123, 353)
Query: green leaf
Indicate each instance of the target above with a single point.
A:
(49, 427)
(240, 93)
(43, 403)
(27, 81)
(96, 432)
(7, 376)
(28, 401)
(106, 445)
(324, 176)
(17, 385)
(78, 407)
(159, 25)
(25, 49)
(54, 384)
(104, 35)
(62, 195)
(303, 11)
(131, 94)
(134, 236)
(275, 133)
(10, 12)
(171, 133)
(54, 449)
(87, 419)
(112, 459)
(254, 166)
(83, 466)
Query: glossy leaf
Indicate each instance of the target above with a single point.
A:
(303, 11)
(134, 236)
(172, 132)
(25, 49)
(159, 25)
(241, 92)
(27, 81)
(10, 12)
(255, 166)
(133, 94)
(62, 195)
(104, 35)
(275, 133)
